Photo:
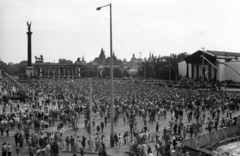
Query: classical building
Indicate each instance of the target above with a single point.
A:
(57, 70)
(217, 65)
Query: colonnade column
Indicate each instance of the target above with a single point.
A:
(75, 70)
(59, 72)
(48, 72)
(53, 73)
(197, 71)
(40, 72)
(79, 72)
(193, 71)
(72, 72)
(68, 72)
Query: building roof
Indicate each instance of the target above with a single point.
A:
(211, 56)
(223, 53)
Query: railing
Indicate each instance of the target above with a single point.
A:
(17, 84)
(214, 139)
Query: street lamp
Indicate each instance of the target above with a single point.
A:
(111, 66)
(203, 70)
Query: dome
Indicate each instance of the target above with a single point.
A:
(133, 71)
(100, 67)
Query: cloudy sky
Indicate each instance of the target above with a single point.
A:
(73, 28)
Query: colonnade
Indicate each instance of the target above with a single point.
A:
(196, 71)
(58, 72)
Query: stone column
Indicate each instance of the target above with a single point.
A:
(79, 72)
(192, 71)
(41, 72)
(187, 71)
(68, 72)
(73, 72)
(197, 72)
(59, 72)
(48, 72)
(29, 70)
(76, 72)
(54, 73)
(64, 72)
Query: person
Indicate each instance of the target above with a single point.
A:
(98, 128)
(81, 151)
(157, 127)
(7, 130)
(18, 150)
(102, 126)
(83, 142)
(55, 149)
(104, 153)
(30, 150)
(48, 149)
(72, 143)
(174, 143)
(9, 149)
(67, 143)
(4, 149)
(115, 139)
(75, 153)
(2, 129)
(16, 136)
(21, 141)
(149, 150)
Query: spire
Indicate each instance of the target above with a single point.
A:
(102, 54)
(83, 59)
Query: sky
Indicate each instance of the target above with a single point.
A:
(74, 28)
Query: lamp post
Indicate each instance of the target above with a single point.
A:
(111, 66)
(140, 67)
(169, 72)
(203, 70)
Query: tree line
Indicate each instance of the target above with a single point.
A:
(159, 67)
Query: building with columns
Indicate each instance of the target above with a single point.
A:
(217, 65)
(57, 70)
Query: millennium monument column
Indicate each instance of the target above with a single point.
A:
(29, 70)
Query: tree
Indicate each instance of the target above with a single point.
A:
(87, 71)
(106, 73)
(125, 73)
(117, 73)
(64, 61)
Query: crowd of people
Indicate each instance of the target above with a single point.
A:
(138, 105)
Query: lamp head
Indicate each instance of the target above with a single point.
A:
(98, 8)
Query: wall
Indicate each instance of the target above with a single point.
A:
(231, 74)
(221, 71)
(195, 70)
(182, 68)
